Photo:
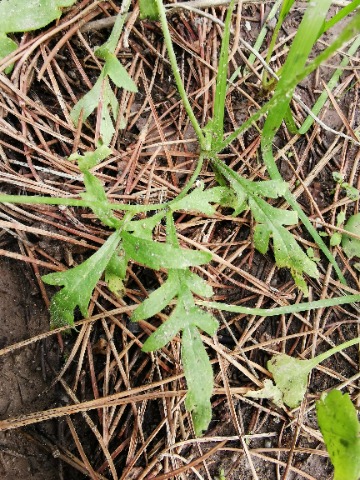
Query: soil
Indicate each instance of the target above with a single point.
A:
(130, 420)
(23, 379)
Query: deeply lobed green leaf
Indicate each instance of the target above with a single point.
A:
(101, 92)
(144, 228)
(186, 317)
(200, 200)
(270, 222)
(161, 255)
(94, 190)
(199, 378)
(78, 284)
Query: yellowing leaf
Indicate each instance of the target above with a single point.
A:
(291, 374)
(270, 391)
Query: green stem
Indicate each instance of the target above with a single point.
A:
(323, 356)
(313, 232)
(177, 76)
(111, 44)
(320, 102)
(191, 181)
(73, 202)
(271, 312)
(346, 35)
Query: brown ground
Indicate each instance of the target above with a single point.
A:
(149, 435)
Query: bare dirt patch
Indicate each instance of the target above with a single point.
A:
(23, 379)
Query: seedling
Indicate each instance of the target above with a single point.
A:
(102, 93)
(132, 240)
(291, 376)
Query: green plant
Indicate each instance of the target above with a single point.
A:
(132, 240)
(291, 376)
(101, 93)
(351, 245)
(352, 192)
(336, 414)
(20, 16)
(340, 427)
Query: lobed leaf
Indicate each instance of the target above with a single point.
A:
(95, 193)
(199, 378)
(90, 159)
(200, 200)
(111, 43)
(270, 222)
(340, 427)
(291, 374)
(188, 318)
(292, 72)
(158, 299)
(270, 391)
(178, 283)
(180, 318)
(101, 91)
(162, 335)
(78, 284)
(291, 377)
(118, 74)
(157, 255)
(144, 228)
(196, 284)
(266, 188)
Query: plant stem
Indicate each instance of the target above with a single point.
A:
(73, 202)
(191, 181)
(323, 356)
(175, 69)
(111, 43)
(271, 312)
